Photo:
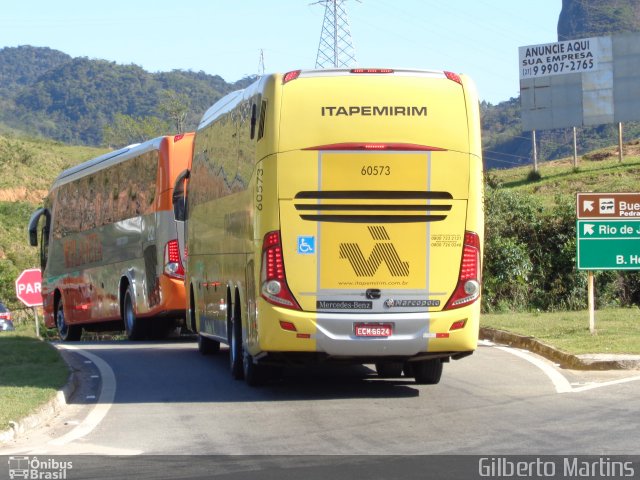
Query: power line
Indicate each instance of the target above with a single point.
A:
(336, 48)
(261, 63)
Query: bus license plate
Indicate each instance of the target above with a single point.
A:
(373, 330)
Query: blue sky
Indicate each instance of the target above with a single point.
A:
(476, 37)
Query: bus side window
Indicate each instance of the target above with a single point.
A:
(254, 120)
(263, 114)
(179, 196)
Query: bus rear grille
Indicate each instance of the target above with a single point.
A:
(389, 206)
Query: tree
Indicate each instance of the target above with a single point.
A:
(175, 106)
(125, 130)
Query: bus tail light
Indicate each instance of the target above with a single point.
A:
(372, 70)
(172, 263)
(376, 146)
(468, 289)
(273, 281)
(287, 77)
(453, 77)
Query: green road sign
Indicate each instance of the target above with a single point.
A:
(608, 244)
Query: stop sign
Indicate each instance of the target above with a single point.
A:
(28, 287)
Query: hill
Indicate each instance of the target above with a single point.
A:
(530, 236)
(46, 92)
(506, 146)
(529, 256)
(22, 66)
(597, 18)
(27, 170)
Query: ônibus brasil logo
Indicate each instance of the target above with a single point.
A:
(38, 469)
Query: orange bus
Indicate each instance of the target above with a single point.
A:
(109, 248)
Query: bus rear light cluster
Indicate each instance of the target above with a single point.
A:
(458, 325)
(290, 326)
(287, 77)
(273, 282)
(468, 288)
(172, 262)
(453, 77)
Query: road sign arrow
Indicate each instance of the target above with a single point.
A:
(588, 229)
(587, 206)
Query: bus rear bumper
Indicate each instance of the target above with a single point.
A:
(385, 335)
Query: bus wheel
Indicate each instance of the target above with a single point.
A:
(389, 369)
(427, 372)
(235, 348)
(191, 312)
(134, 327)
(255, 374)
(68, 333)
(207, 346)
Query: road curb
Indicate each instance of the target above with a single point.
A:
(44, 412)
(565, 360)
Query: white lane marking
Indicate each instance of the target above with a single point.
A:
(560, 383)
(591, 386)
(104, 403)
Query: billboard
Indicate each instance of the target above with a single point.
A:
(583, 82)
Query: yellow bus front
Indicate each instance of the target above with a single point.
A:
(379, 180)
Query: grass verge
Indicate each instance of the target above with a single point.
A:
(617, 329)
(31, 371)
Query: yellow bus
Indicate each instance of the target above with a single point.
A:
(337, 215)
(109, 247)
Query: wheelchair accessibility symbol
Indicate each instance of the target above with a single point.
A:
(306, 244)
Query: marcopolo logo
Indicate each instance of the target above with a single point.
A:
(38, 469)
(383, 252)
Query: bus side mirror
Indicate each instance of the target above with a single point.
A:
(179, 198)
(33, 226)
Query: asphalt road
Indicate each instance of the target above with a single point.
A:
(164, 398)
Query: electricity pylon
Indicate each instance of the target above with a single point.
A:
(336, 48)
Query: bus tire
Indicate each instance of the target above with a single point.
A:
(254, 374)
(191, 312)
(207, 346)
(389, 369)
(427, 372)
(235, 346)
(134, 327)
(68, 333)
